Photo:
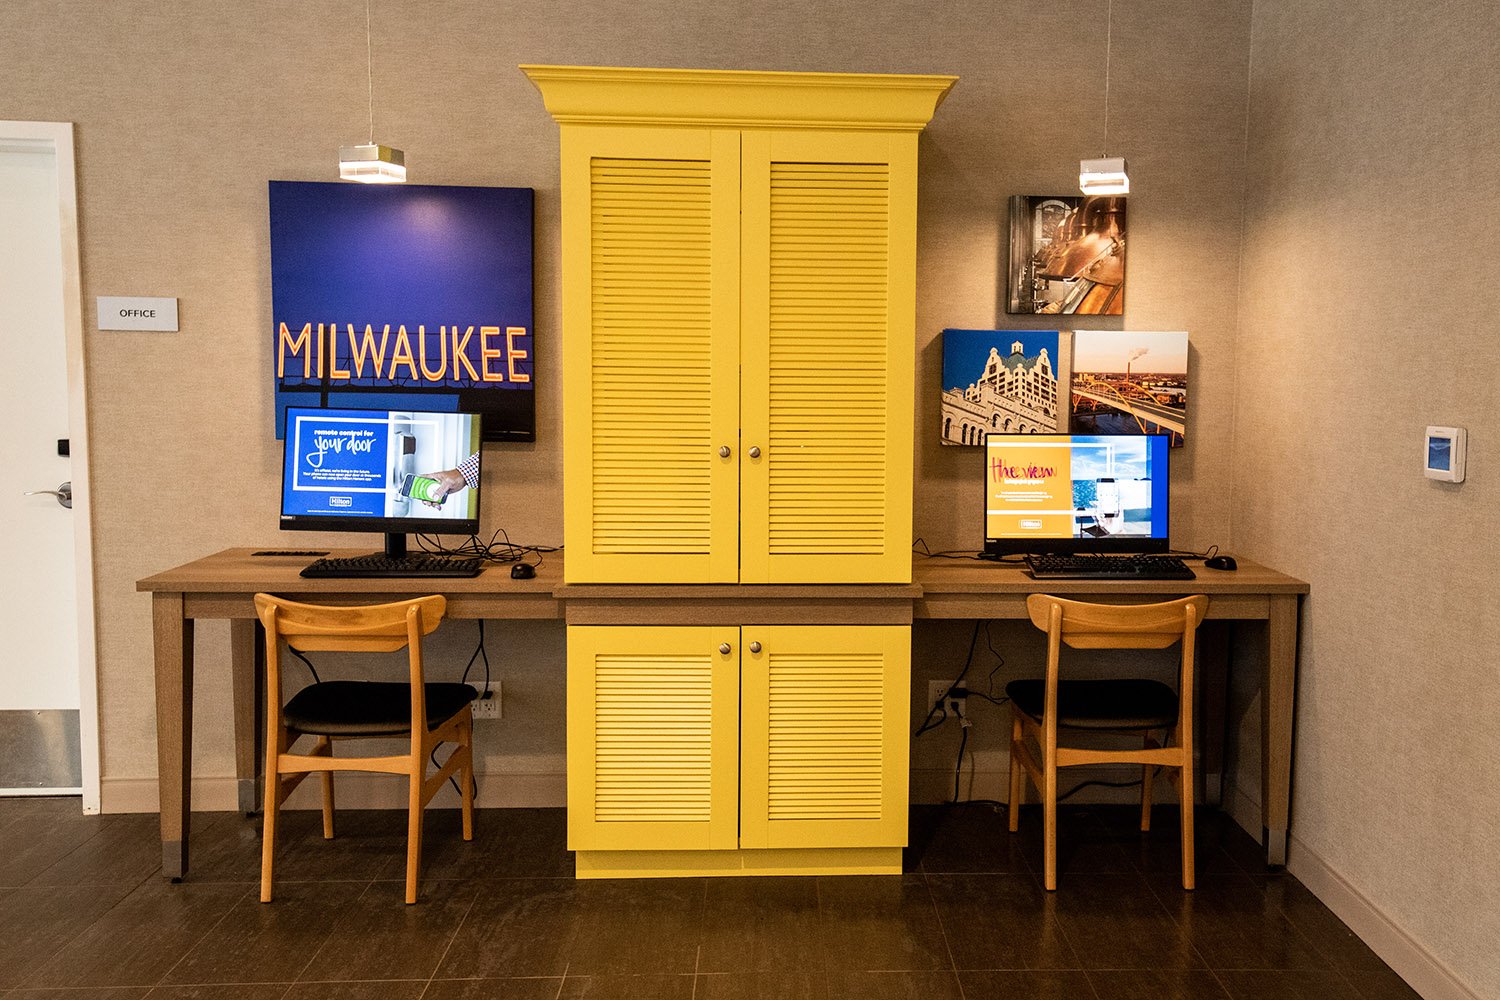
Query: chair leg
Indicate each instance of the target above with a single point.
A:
(466, 776)
(1148, 771)
(1185, 797)
(271, 809)
(1017, 773)
(1049, 823)
(325, 746)
(414, 829)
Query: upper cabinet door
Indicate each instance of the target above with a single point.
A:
(828, 262)
(650, 286)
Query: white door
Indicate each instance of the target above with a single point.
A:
(41, 694)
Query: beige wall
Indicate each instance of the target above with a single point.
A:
(1374, 179)
(184, 111)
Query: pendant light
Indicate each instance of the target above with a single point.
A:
(1105, 175)
(371, 163)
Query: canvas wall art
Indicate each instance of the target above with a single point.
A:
(1001, 381)
(395, 296)
(1129, 382)
(1067, 255)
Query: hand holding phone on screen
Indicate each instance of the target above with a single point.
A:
(432, 488)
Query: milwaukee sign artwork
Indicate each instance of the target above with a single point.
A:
(404, 295)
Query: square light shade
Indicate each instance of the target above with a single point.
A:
(373, 164)
(1106, 176)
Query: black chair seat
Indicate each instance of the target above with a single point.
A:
(1109, 704)
(370, 708)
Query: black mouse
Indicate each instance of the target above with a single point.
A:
(525, 571)
(1221, 562)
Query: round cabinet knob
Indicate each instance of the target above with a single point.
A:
(724, 648)
(724, 451)
(755, 647)
(755, 453)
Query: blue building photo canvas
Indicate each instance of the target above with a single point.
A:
(999, 382)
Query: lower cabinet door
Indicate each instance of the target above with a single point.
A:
(653, 737)
(823, 735)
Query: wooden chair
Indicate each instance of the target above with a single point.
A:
(429, 714)
(1039, 708)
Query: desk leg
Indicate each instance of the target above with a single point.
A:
(1278, 692)
(172, 634)
(246, 648)
(1212, 689)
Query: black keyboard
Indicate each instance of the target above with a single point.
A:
(380, 565)
(1133, 567)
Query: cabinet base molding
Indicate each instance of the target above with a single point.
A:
(782, 861)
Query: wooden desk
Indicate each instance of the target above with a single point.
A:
(962, 588)
(224, 585)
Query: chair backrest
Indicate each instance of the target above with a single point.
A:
(1117, 626)
(370, 628)
(373, 628)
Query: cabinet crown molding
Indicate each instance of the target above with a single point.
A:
(616, 95)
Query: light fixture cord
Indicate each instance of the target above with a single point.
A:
(1109, 31)
(370, 80)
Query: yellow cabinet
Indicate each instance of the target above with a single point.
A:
(738, 302)
(738, 271)
(761, 748)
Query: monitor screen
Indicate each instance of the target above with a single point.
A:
(381, 470)
(1075, 493)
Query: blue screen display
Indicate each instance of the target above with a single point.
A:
(360, 464)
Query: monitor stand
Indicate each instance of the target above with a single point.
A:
(395, 545)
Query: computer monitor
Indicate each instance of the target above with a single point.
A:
(392, 471)
(1075, 493)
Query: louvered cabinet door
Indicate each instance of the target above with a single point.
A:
(650, 285)
(828, 258)
(823, 744)
(652, 738)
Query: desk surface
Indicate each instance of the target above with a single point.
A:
(237, 571)
(976, 576)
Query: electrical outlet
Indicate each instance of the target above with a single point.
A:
(488, 705)
(936, 690)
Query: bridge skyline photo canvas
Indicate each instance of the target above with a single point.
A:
(1129, 382)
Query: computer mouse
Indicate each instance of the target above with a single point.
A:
(525, 571)
(1221, 562)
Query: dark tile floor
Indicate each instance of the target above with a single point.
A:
(85, 915)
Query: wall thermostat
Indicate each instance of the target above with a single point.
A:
(1443, 454)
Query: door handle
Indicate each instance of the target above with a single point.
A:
(64, 494)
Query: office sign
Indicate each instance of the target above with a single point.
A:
(135, 312)
(402, 295)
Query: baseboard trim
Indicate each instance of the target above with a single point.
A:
(355, 791)
(1422, 970)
